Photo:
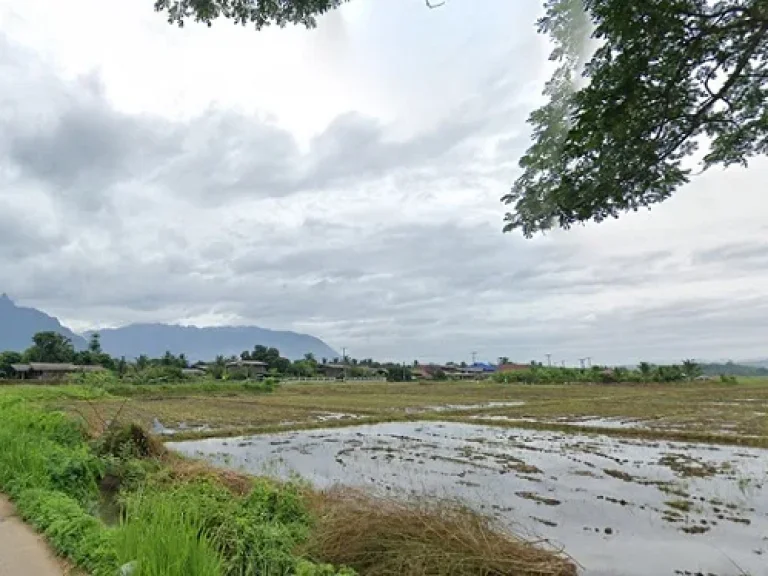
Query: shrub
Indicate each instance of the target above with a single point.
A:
(70, 530)
(129, 441)
(75, 472)
(94, 379)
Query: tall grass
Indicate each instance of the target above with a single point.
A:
(164, 540)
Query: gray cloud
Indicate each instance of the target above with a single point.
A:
(748, 255)
(386, 242)
(82, 148)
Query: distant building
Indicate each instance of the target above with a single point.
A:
(50, 370)
(332, 370)
(251, 367)
(483, 367)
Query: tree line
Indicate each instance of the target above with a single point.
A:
(644, 372)
(52, 347)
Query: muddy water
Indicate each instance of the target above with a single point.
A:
(619, 507)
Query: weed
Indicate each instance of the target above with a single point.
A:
(682, 505)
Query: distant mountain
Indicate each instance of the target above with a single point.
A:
(206, 343)
(18, 325)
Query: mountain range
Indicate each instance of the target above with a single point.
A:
(18, 325)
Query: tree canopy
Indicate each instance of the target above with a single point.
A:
(259, 13)
(620, 127)
(666, 73)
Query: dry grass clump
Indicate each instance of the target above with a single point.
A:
(380, 536)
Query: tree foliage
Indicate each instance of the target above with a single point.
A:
(50, 347)
(259, 13)
(666, 74)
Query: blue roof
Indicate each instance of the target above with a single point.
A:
(485, 366)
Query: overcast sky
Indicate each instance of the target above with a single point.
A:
(344, 182)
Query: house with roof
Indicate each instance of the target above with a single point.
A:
(332, 370)
(252, 368)
(50, 370)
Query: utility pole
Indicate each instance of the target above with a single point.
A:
(343, 364)
(474, 356)
(581, 361)
(549, 360)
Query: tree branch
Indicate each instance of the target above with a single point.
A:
(741, 63)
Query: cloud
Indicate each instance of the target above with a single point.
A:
(741, 255)
(377, 231)
(81, 148)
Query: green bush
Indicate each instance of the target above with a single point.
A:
(75, 472)
(94, 379)
(71, 531)
(128, 441)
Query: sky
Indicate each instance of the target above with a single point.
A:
(344, 182)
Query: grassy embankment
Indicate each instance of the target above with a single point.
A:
(178, 517)
(701, 411)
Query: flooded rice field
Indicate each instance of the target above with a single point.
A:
(619, 507)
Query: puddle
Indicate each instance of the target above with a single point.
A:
(462, 407)
(334, 416)
(586, 422)
(161, 430)
(620, 507)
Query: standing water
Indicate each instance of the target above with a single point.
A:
(618, 507)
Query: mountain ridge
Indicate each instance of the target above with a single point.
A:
(204, 343)
(33, 321)
(18, 324)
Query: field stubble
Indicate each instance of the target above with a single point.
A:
(709, 412)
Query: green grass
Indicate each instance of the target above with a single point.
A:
(54, 473)
(47, 469)
(177, 517)
(163, 540)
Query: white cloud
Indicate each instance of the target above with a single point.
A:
(343, 181)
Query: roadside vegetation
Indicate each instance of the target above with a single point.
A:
(119, 500)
